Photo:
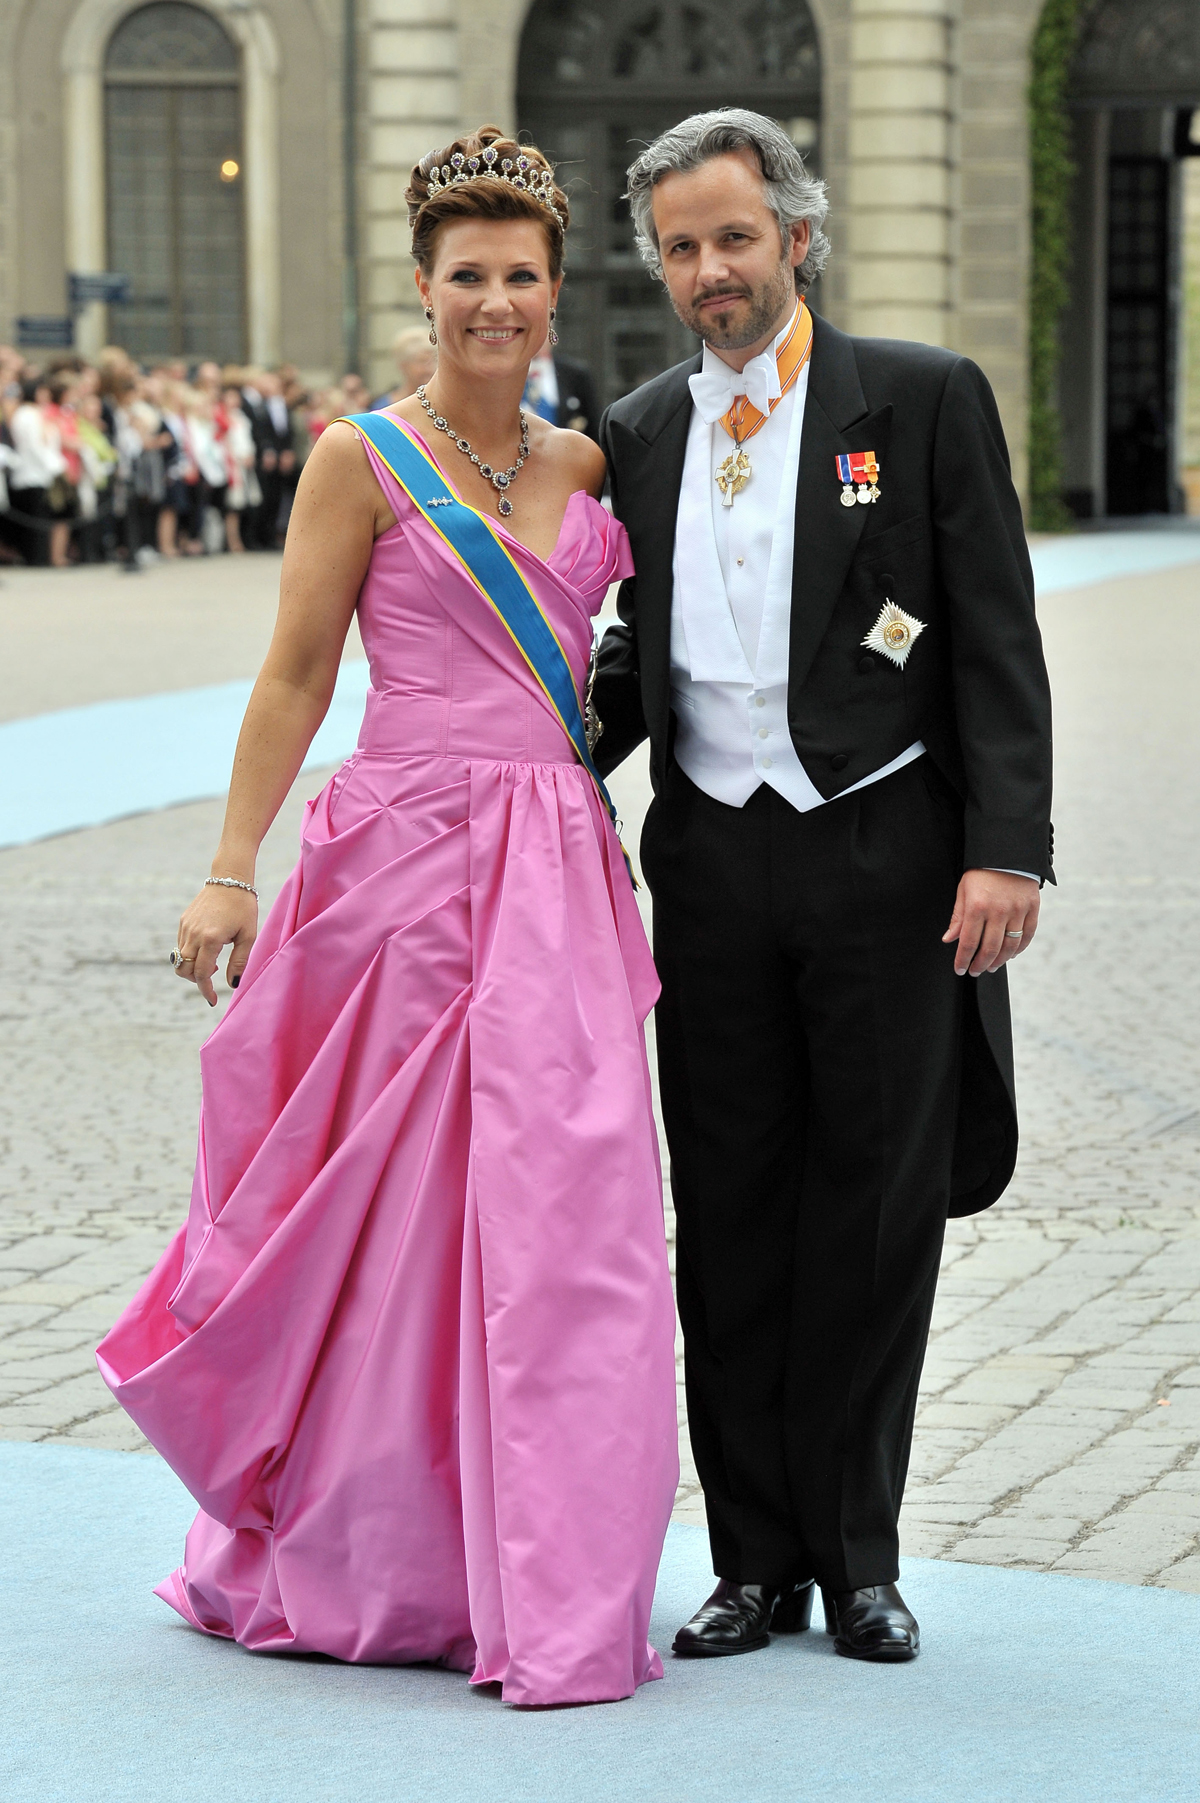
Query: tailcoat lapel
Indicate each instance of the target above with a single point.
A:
(649, 457)
(827, 534)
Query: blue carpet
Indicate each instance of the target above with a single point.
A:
(85, 765)
(1076, 559)
(1031, 1689)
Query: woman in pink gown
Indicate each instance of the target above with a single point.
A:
(412, 1352)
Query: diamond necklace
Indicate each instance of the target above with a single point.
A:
(499, 479)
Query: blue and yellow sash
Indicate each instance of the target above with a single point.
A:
(490, 565)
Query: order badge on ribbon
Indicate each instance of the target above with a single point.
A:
(858, 472)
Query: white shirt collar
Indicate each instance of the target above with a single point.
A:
(715, 386)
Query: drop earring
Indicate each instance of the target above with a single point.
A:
(433, 338)
(553, 333)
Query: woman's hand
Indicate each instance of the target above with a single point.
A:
(218, 917)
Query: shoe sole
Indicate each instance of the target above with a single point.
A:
(721, 1652)
(885, 1656)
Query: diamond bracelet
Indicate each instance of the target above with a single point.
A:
(230, 882)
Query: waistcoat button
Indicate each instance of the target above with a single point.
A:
(839, 762)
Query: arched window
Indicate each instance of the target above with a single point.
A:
(1139, 49)
(173, 140)
(599, 78)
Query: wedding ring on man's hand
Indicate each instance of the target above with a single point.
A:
(1014, 935)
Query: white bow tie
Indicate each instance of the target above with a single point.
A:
(715, 387)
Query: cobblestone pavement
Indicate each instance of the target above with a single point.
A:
(1059, 1426)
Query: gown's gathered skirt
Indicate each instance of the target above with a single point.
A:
(413, 1352)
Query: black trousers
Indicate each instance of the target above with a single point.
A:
(262, 522)
(33, 529)
(808, 1043)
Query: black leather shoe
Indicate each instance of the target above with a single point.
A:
(737, 1618)
(871, 1624)
(793, 1608)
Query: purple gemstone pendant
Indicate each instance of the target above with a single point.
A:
(504, 506)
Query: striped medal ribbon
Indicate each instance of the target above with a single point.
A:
(744, 419)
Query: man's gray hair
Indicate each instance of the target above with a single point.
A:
(791, 193)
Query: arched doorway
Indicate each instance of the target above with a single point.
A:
(597, 80)
(174, 184)
(1135, 95)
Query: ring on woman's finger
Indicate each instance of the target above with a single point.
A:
(1014, 935)
(178, 960)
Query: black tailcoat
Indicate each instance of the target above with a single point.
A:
(945, 541)
(578, 407)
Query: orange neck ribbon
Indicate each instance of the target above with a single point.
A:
(743, 419)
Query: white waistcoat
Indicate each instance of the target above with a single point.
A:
(732, 600)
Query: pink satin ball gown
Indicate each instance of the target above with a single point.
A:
(413, 1351)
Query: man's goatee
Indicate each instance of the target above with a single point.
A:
(766, 304)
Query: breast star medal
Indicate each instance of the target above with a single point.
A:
(894, 634)
(733, 475)
(858, 472)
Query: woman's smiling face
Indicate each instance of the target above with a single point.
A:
(491, 292)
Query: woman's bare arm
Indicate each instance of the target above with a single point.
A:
(338, 512)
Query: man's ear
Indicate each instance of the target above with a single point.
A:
(801, 239)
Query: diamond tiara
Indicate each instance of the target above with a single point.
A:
(537, 183)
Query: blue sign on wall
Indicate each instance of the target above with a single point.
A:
(100, 286)
(46, 331)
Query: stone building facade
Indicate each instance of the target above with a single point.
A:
(119, 122)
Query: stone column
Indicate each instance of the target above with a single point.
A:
(899, 198)
(489, 42)
(260, 112)
(10, 20)
(992, 317)
(410, 91)
(83, 120)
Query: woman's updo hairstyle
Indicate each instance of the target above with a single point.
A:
(486, 197)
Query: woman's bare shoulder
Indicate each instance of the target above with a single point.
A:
(339, 444)
(580, 458)
(338, 459)
(338, 474)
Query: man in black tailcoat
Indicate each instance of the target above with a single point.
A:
(274, 461)
(561, 389)
(830, 640)
(578, 408)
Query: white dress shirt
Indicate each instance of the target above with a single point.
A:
(541, 388)
(732, 598)
(39, 457)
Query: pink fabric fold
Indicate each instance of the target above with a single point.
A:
(413, 1352)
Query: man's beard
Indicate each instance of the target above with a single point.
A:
(728, 331)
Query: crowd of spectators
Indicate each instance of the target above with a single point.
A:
(112, 461)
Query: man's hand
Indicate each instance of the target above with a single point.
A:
(995, 917)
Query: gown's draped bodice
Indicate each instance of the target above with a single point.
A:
(413, 1353)
(433, 666)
